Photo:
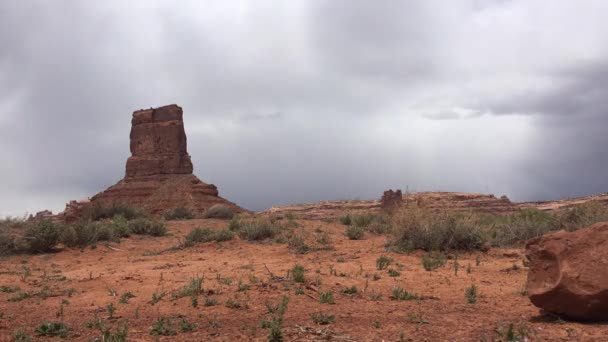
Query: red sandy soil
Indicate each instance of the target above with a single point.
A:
(443, 314)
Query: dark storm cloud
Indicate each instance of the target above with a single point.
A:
(307, 100)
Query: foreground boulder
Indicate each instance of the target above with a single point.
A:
(158, 175)
(568, 273)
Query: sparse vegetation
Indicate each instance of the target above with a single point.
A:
(326, 297)
(53, 329)
(100, 212)
(432, 262)
(350, 290)
(346, 220)
(393, 273)
(383, 262)
(399, 293)
(179, 213)
(142, 226)
(471, 294)
(219, 211)
(185, 326)
(355, 232)
(193, 288)
(322, 318)
(200, 235)
(419, 228)
(125, 297)
(297, 274)
(19, 335)
(163, 327)
(258, 229)
(276, 313)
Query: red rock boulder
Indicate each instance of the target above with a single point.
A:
(568, 273)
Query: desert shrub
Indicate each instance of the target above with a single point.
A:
(7, 244)
(523, 225)
(326, 297)
(379, 227)
(82, 234)
(120, 225)
(163, 327)
(399, 293)
(582, 215)
(199, 235)
(53, 329)
(355, 232)
(362, 220)
(383, 262)
(142, 226)
(471, 294)
(19, 335)
(418, 228)
(322, 318)
(194, 288)
(234, 224)
(99, 212)
(297, 244)
(223, 235)
(42, 236)
(346, 220)
(297, 274)
(432, 262)
(179, 213)
(219, 211)
(258, 229)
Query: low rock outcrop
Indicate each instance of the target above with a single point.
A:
(568, 273)
(159, 172)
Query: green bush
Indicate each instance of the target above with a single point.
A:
(417, 228)
(355, 232)
(523, 225)
(234, 224)
(179, 213)
(199, 235)
(432, 262)
(120, 226)
(7, 244)
(142, 226)
(219, 211)
(42, 236)
(100, 212)
(383, 262)
(346, 220)
(53, 329)
(298, 274)
(258, 229)
(582, 215)
(82, 234)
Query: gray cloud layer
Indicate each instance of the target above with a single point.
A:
(293, 101)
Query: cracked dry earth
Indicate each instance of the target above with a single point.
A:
(250, 274)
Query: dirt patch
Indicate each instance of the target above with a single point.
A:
(76, 287)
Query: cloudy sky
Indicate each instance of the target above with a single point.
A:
(296, 101)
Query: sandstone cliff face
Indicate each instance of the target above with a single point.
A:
(158, 143)
(159, 172)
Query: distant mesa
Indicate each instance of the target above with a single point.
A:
(159, 172)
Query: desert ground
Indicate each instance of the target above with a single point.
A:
(85, 289)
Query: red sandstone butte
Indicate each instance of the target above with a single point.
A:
(159, 172)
